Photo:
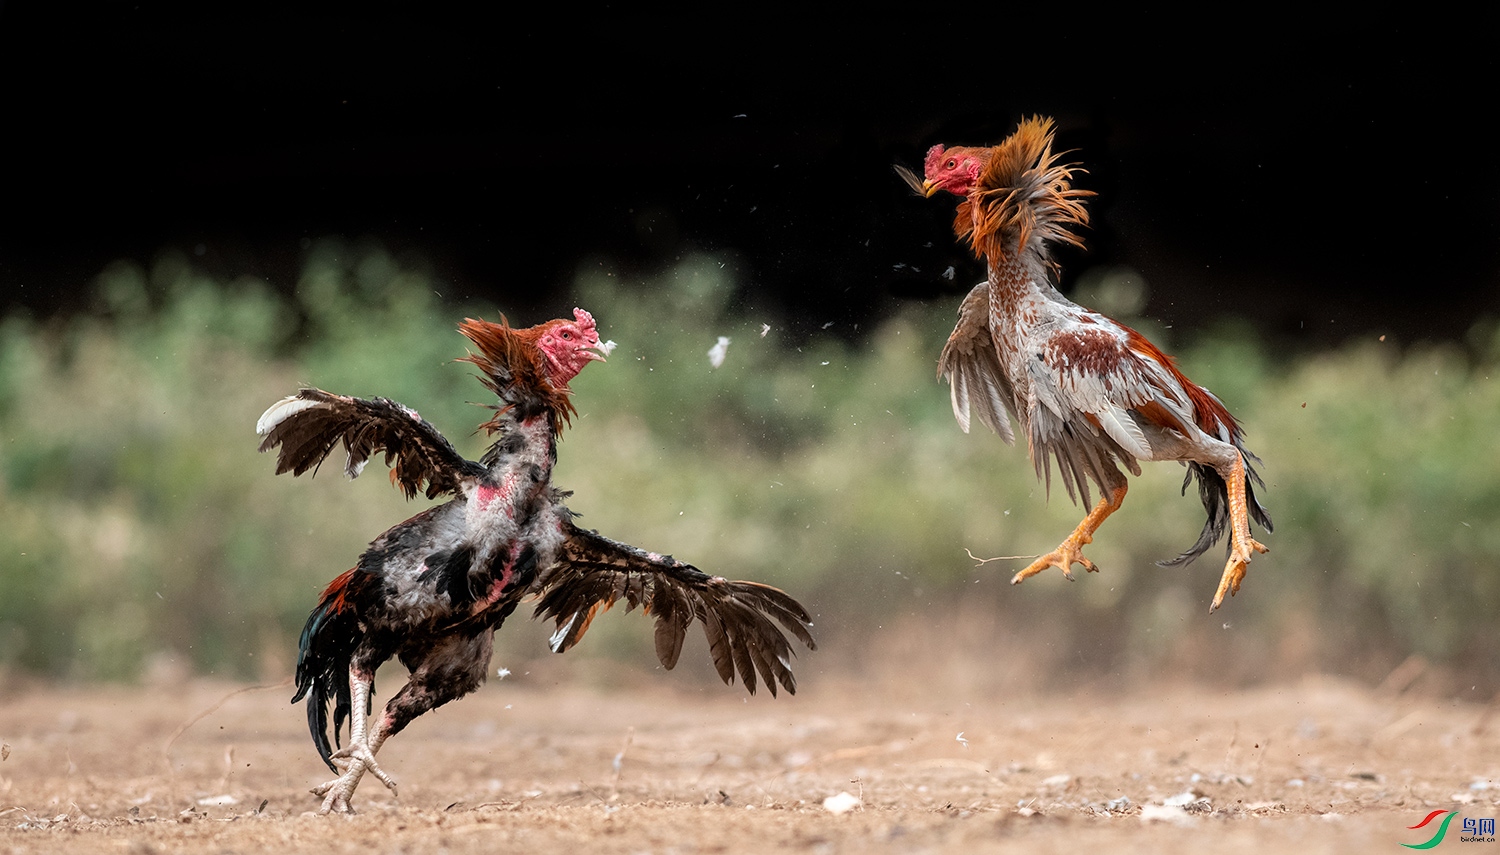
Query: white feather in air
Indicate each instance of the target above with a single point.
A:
(717, 353)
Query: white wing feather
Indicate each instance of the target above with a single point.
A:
(1121, 428)
(281, 411)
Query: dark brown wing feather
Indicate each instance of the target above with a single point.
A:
(309, 424)
(739, 618)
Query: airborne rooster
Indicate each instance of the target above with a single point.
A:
(1088, 391)
(432, 590)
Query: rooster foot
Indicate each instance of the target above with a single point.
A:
(1234, 570)
(355, 759)
(1063, 557)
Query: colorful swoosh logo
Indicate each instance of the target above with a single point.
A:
(1442, 829)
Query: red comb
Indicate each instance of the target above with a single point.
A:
(934, 155)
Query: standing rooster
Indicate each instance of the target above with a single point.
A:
(433, 590)
(1088, 391)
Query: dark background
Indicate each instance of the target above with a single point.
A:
(1321, 178)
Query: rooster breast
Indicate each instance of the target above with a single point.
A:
(501, 504)
(469, 560)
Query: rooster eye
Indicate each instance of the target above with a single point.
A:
(950, 164)
(567, 336)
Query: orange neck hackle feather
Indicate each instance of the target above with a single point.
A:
(509, 358)
(1023, 193)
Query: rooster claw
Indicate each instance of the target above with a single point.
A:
(337, 802)
(356, 759)
(1234, 571)
(1063, 558)
(1070, 551)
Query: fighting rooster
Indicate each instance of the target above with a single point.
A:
(433, 590)
(1089, 392)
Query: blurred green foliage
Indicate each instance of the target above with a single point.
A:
(141, 524)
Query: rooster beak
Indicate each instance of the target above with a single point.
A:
(594, 356)
(929, 188)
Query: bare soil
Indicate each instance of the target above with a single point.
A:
(663, 764)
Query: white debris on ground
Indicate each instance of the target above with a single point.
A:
(1057, 781)
(841, 803)
(718, 351)
(1182, 799)
(218, 801)
(949, 273)
(1189, 802)
(961, 740)
(503, 673)
(1165, 813)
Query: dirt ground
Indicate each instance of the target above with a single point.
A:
(663, 764)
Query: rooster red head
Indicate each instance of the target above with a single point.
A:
(536, 362)
(557, 349)
(955, 169)
(568, 346)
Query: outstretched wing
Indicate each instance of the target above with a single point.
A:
(309, 424)
(972, 368)
(594, 572)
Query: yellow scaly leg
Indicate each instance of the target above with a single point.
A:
(1241, 543)
(1070, 551)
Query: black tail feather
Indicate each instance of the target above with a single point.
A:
(1215, 495)
(325, 653)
